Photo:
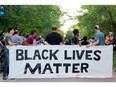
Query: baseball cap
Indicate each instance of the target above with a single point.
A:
(97, 27)
(54, 27)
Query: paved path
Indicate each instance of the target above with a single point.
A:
(63, 79)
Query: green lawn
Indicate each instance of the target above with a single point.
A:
(114, 60)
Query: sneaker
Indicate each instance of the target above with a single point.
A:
(5, 77)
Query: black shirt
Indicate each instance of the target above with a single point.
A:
(84, 43)
(74, 40)
(53, 38)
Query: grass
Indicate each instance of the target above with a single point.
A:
(114, 60)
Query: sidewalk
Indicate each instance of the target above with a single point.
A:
(63, 79)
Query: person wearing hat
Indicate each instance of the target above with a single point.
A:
(99, 37)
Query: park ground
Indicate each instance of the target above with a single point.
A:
(113, 79)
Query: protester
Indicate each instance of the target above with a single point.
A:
(1, 51)
(84, 42)
(30, 40)
(1, 43)
(91, 40)
(26, 37)
(107, 42)
(75, 40)
(114, 43)
(41, 41)
(54, 38)
(99, 37)
(5, 35)
(38, 40)
(8, 42)
(21, 35)
(16, 37)
(2, 38)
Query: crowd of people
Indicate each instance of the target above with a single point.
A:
(13, 37)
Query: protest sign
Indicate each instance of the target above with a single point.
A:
(60, 61)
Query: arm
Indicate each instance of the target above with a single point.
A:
(11, 44)
(93, 44)
(44, 42)
(61, 40)
(27, 44)
(97, 38)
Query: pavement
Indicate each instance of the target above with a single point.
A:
(113, 79)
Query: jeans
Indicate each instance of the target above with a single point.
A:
(6, 64)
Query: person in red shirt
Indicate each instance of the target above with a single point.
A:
(31, 39)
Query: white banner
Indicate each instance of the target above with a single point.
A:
(60, 61)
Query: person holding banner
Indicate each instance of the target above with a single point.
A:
(40, 41)
(16, 37)
(8, 42)
(54, 38)
(30, 40)
(99, 37)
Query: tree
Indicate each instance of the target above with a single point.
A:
(28, 17)
(103, 15)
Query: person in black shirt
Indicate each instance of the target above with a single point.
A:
(85, 42)
(74, 40)
(54, 38)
